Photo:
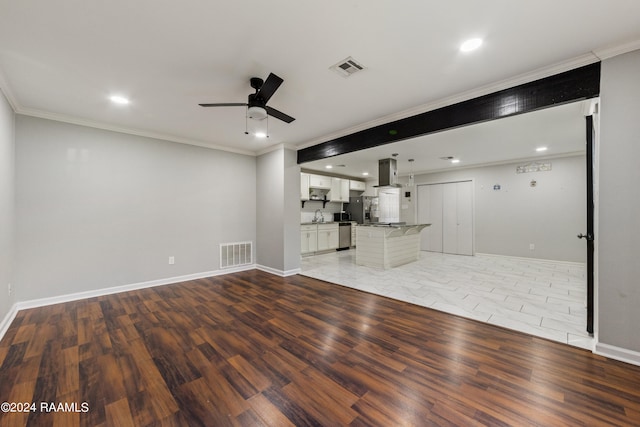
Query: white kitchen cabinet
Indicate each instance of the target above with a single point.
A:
(339, 190)
(320, 181)
(304, 186)
(327, 237)
(308, 238)
(357, 185)
(344, 190)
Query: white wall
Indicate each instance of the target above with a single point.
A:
(7, 163)
(278, 217)
(97, 209)
(619, 206)
(549, 215)
(291, 217)
(270, 202)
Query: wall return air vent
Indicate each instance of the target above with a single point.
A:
(347, 67)
(235, 254)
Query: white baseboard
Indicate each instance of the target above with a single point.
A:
(572, 263)
(8, 319)
(41, 302)
(281, 273)
(618, 353)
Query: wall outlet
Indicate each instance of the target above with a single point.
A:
(10, 289)
(532, 246)
(172, 260)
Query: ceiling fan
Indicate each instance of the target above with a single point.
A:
(257, 103)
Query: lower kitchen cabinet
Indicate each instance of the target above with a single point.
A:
(308, 238)
(327, 236)
(317, 238)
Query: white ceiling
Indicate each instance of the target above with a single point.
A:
(62, 59)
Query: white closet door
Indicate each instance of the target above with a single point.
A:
(464, 215)
(450, 218)
(448, 208)
(430, 212)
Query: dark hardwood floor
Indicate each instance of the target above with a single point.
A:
(255, 349)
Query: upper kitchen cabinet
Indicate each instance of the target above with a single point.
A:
(304, 186)
(357, 185)
(339, 190)
(320, 181)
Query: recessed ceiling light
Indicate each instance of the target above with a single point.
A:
(119, 100)
(365, 173)
(455, 161)
(541, 149)
(329, 167)
(260, 135)
(471, 44)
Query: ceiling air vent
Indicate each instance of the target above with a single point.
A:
(347, 67)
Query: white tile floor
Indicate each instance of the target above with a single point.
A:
(542, 298)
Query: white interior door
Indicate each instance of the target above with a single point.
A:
(464, 214)
(430, 212)
(450, 218)
(448, 207)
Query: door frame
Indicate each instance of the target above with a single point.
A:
(592, 142)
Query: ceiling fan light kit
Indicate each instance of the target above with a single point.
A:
(258, 124)
(256, 113)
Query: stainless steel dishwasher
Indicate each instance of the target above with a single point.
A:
(344, 235)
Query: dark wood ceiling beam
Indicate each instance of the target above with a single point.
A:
(574, 85)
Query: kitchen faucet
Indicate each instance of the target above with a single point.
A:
(315, 216)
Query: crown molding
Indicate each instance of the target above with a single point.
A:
(6, 90)
(104, 126)
(618, 49)
(280, 146)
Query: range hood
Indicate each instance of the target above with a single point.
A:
(388, 173)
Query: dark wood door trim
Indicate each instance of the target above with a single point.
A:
(590, 226)
(562, 88)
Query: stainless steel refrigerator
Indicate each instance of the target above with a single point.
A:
(363, 209)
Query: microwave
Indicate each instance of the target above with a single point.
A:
(342, 216)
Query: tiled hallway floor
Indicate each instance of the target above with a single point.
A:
(542, 298)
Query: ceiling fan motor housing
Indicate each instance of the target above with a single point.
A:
(256, 83)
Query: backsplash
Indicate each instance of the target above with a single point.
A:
(308, 212)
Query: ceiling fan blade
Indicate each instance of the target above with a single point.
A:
(278, 114)
(269, 87)
(227, 104)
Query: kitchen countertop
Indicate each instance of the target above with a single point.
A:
(394, 225)
(394, 229)
(330, 222)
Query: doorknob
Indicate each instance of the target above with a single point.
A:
(585, 236)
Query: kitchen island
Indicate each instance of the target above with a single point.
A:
(387, 245)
